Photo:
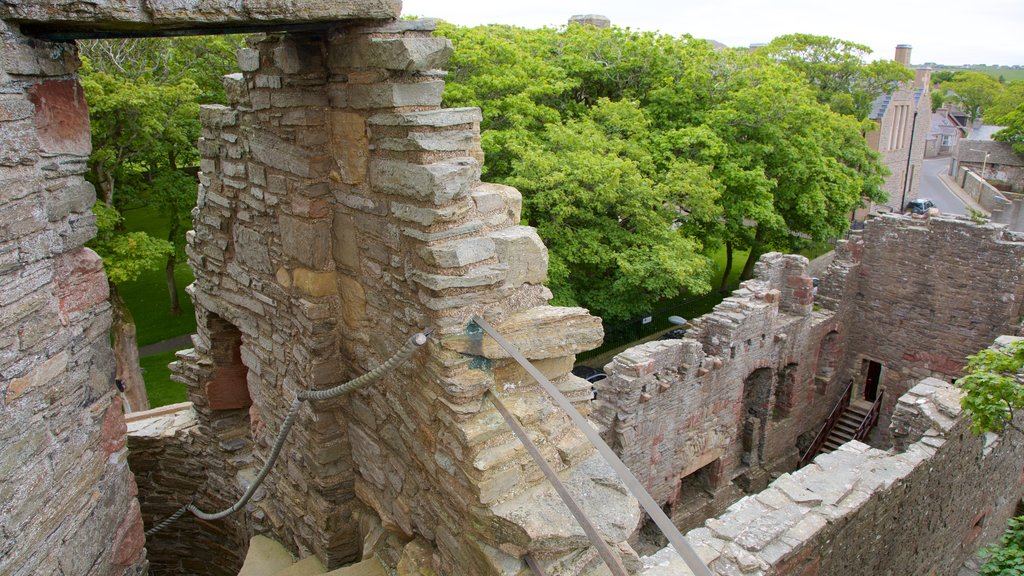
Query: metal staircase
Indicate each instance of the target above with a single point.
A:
(848, 425)
(849, 420)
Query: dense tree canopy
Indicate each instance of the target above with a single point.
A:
(637, 152)
(973, 92)
(836, 70)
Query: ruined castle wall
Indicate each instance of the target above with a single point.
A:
(731, 400)
(858, 511)
(67, 502)
(928, 293)
(340, 211)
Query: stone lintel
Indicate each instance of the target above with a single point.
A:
(169, 16)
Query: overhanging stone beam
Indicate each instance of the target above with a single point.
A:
(69, 19)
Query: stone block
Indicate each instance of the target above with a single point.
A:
(459, 253)
(38, 378)
(345, 245)
(80, 282)
(429, 216)
(440, 118)
(314, 283)
(407, 54)
(387, 95)
(433, 141)
(61, 117)
(353, 301)
(273, 151)
(522, 250)
(493, 197)
(217, 116)
(235, 88)
(440, 182)
(306, 240)
(349, 145)
(251, 249)
(481, 276)
(540, 332)
(76, 196)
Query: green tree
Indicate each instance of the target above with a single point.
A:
(993, 391)
(608, 217)
(1005, 103)
(973, 92)
(938, 99)
(1006, 558)
(1014, 131)
(837, 71)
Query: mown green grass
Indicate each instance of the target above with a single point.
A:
(150, 304)
(161, 390)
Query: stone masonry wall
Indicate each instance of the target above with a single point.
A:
(732, 398)
(916, 511)
(928, 293)
(67, 497)
(340, 211)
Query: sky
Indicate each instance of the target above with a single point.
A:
(941, 31)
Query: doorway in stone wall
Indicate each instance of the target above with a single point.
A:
(872, 377)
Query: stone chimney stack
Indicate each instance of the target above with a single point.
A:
(903, 54)
(595, 20)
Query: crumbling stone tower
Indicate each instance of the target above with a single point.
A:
(340, 209)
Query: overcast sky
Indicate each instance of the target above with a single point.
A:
(942, 31)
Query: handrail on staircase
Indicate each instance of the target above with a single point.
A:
(871, 419)
(833, 417)
(682, 547)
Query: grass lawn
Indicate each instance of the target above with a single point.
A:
(147, 297)
(162, 391)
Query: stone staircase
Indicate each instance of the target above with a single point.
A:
(847, 425)
(268, 557)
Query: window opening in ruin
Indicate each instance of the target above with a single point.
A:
(872, 377)
(785, 391)
(828, 359)
(732, 352)
(756, 397)
(228, 386)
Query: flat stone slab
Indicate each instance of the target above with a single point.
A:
(165, 15)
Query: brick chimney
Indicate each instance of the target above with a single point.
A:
(903, 54)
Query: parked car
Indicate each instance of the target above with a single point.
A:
(918, 206)
(673, 334)
(589, 374)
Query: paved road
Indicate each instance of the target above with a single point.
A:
(934, 189)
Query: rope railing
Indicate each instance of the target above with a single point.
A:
(675, 538)
(403, 354)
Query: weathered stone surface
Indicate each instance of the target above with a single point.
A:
(153, 15)
(387, 95)
(541, 332)
(350, 145)
(440, 118)
(522, 250)
(406, 54)
(439, 182)
(61, 117)
(307, 240)
(459, 253)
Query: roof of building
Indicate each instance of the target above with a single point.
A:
(881, 104)
(984, 132)
(998, 152)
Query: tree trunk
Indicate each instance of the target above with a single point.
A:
(172, 286)
(724, 288)
(126, 354)
(756, 249)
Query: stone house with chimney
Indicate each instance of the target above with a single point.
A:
(903, 120)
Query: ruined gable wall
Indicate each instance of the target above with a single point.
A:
(340, 211)
(671, 407)
(930, 292)
(860, 511)
(66, 495)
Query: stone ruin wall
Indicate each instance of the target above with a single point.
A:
(729, 401)
(341, 210)
(930, 292)
(917, 510)
(670, 408)
(65, 476)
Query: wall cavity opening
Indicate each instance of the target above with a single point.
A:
(228, 388)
